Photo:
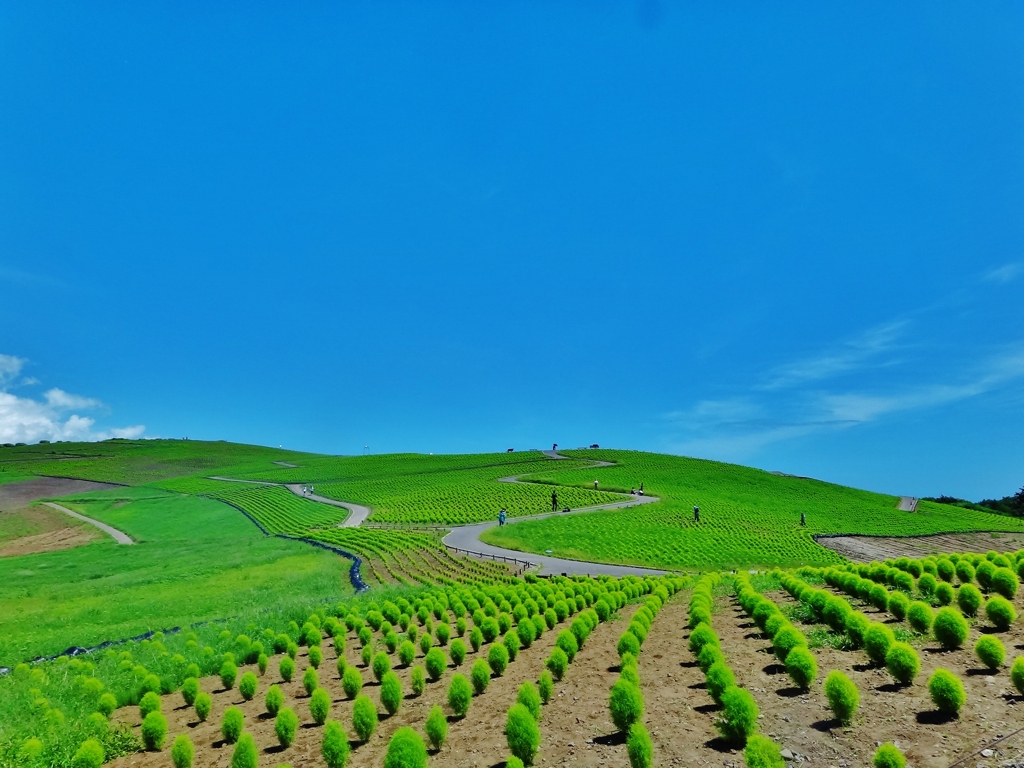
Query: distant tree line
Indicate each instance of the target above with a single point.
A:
(1008, 505)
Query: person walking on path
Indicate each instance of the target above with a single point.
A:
(595, 485)
(696, 514)
(554, 501)
(501, 517)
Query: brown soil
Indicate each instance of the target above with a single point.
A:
(864, 549)
(50, 541)
(16, 495)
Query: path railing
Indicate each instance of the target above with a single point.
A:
(488, 556)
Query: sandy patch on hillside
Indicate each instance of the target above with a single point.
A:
(44, 531)
(864, 549)
(13, 496)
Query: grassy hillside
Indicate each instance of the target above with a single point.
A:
(748, 517)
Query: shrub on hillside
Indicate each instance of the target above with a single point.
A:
(1000, 612)
(228, 673)
(203, 704)
(435, 663)
(286, 725)
(1017, 674)
(786, 639)
(89, 755)
(626, 704)
(189, 691)
(843, 696)
(460, 695)
(418, 680)
(247, 686)
(567, 642)
(718, 678)
(286, 668)
(150, 703)
(406, 750)
(944, 593)
(898, 605)
(708, 657)
(245, 754)
(231, 724)
(154, 731)
(522, 733)
(701, 636)
(476, 639)
(529, 697)
(406, 653)
(352, 682)
(968, 597)
(480, 676)
(546, 686)
(762, 752)
(391, 692)
(857, 626)
(964, 572)
(920, 616)
(310, 680)
(877, 640)
(802, 667)
(457, 652)
(108, 703)
(903, 663)
(947, 692)
(990, 651)
(316, 656)
(888, 756)
(628, 644)
(364, 717)
(950, 628)
(182, 752)
(497, 659)
(437, 726)
(739, 715)
(639, 747)
(334, 746)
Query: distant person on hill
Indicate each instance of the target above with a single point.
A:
(696, 514)
(641, 489)
(803, 519)
(632, 491)
(554, 501)
(595, 485)
(554, 446)
(501, 517)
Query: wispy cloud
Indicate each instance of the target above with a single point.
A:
(54, 417)
(1003, 274)
(852, 355)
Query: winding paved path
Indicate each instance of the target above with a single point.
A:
(118, 536)
(908, 504)
(357, 512)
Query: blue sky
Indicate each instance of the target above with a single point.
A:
(790, 237)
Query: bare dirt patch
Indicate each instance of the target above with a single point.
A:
(864, 549)
(13, 496)
(50, 541)
(37, 529)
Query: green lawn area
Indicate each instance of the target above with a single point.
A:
(196, 560)
(749, 518)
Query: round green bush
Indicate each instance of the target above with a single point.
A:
(108, 703)
(529, 697)
(286, 725)
(476, 639)
(228, 673)
(1000, 612)
(203, 704)
(777, 621)
(762, 752)
(628, 644)
(231, 724)
(926, 585)
(990, 651)
(366, 655)
(381, 665)
(273, 700)
(316, 656)
(877, 640)
(319, 705)
(391, 692)
(964, 572)
(567, 642)
(739, 715)
(90, 755)
(334, 746)
(526, 632)
(182, 752)
(1017, 674)
(189, 691)
(950, 628)
(984, 574)
(947, 692)
(150, 684)
(701, 636)
(626, 704)
(310, 680)
(802, 667)
(843, 696)
(443, 633)
(436, 663)
(406, 653)
(944, 594)
(460, 695)
(418, 680)
(426, 642)
(545, 686)
(437, 725)
(457, 652)
(903, 663)
(522, 733)
(920, 616)
(786, 639)
(835, 612)
(968, 597)
(150, 703)
(888, 756)
(480, 676)
(708, 656)
(898, 605)
(718, 678)
(364, 717)
(406, 750)
(639, 747)
(245, 754)
(287, 668)
(352, 682)
(247, 686)
(497, 659)
(154, 731)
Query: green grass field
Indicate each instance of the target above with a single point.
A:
(749, 518)
(196, 560)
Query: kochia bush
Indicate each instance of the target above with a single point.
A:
(154, 731)
(437, 725)
(545, 686)
(639, 747)
(739, 715)
(435, 662)
(802, 667)
(920, 616)
(418, 680)
(406, 750)
(497, 659)
(150, 703)
(364, 717)
(877, 640)
(529, 697)
(1000, 612)
(391, 692)
(90, 755)
(480, 675)
(286, 668)
(990, 651)
(460, 695)
(947, 692)
(888, 756)
(950, 628)
(522, 733)
(247, 686)
(903, 663)
(968, 597)
(245, 754)
(843, 696)
(762, 752)
(231, 724)
(1017, 674)
(182, 752)
(352, 682)
(203, 704)
(719, 677)
(626, 704)
(457, 652)
(334, 746)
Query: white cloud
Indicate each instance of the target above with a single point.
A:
(1003, 274)
(29, 381)
(854, 354)
(27, 420)
(10, 367)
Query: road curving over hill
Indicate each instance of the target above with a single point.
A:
(116, 535)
